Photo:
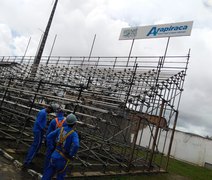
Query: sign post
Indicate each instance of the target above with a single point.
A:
(130, 52)
(156, 31)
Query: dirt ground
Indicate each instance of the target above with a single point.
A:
(8, 171)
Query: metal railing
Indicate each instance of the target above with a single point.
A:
(116, 106)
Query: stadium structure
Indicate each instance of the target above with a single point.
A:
(118, 100)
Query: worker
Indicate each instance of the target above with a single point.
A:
(65, 142)
(55, 123)
(39, 129)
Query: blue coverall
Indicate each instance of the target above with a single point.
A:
(38, 131)
(58, 163)
(53, 125)
(51, 128)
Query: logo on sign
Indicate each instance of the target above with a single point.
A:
(130, 32)
(167, 30)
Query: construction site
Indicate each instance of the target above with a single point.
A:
(113, 103)
(115, 99)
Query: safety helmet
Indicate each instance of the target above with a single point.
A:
(54, 107)
(71, 119)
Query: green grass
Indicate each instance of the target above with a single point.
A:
(177, 170)
(190, 171)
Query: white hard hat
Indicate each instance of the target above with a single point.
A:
(54, 107)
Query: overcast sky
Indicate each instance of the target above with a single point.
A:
(77, 21)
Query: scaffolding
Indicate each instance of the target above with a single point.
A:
(117, 100)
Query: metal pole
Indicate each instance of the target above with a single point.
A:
(43, 42)
(114, 63)
(34, 66)
(134, 142)
(5, 92)
(51, 49)
(2, 59)
(131, 83)
(92, 48)
(26, 50)
(156, 134)
(35, 96)
(78, 98)
(41, 37)
(171, 140)
(167, 45)
(188, 57)
(80, 93)
(29, 112)
(130, 52)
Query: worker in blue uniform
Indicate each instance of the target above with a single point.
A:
(39, 129)
(65, 142)
(55, 123)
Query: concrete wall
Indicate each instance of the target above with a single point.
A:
(186, 146)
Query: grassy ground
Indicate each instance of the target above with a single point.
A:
(189, 171)
(177, 171)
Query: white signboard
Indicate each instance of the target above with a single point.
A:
(157, 31)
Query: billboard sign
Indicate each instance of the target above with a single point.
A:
(157, 31)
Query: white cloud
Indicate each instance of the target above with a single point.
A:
(77, 21)
(6, 39)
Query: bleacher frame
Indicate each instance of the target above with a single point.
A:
(115, 104)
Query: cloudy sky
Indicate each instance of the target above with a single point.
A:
(77, 21)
